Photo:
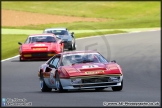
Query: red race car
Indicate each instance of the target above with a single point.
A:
(80, 70)
(40, 46)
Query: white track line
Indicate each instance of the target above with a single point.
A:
(94, 37)
(9, 58)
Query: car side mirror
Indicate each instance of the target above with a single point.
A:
(19, 43)
(72, 33)
(52, 66)
(113, 61)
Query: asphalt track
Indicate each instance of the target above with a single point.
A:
(137, 53)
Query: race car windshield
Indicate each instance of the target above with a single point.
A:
(83, 58)
(41, 39)
(58, 32)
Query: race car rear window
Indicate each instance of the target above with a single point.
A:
(58, 32)
(41, 39)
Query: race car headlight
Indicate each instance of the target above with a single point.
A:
(114, 79)
(76, 81)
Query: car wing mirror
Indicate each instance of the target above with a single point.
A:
(72, 33)
(19, 43)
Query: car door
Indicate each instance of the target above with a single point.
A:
(54, 62)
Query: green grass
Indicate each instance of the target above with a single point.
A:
(10, 44)
(130, 23)
(112, 10)
(10, 41)
(118, 14)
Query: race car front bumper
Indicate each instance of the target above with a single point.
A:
(91, 83)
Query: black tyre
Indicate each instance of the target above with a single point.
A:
(20, 59)
(118, 88)
(58, 84)
(44, 87)
(71, 47)
(74, 47)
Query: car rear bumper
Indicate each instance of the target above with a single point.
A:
(37, 56)
(32, 58)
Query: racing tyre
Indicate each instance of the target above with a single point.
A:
(20, 59)
(58, 84)
(118, 88)
(71, 47)
(74, 47)
(44, 87)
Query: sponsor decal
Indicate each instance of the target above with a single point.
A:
(52, 76)
(39, 48)
(94, 72)
(52, 81)
(39, 45)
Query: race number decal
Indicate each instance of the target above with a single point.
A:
(89, 66)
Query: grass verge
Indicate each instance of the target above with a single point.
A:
(118, 14)
(118, 24)
(100, 9)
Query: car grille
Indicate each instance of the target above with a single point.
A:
(94, 80)
(89, 85)
(40, 54)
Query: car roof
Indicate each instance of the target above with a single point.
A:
(61, 28)
(73, 52)
(44, 34)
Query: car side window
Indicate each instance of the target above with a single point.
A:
(102, 59)
(55, 61)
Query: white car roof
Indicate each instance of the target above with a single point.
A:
(55, 29)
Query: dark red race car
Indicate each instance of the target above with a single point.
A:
(80, 70)
(40, 46)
